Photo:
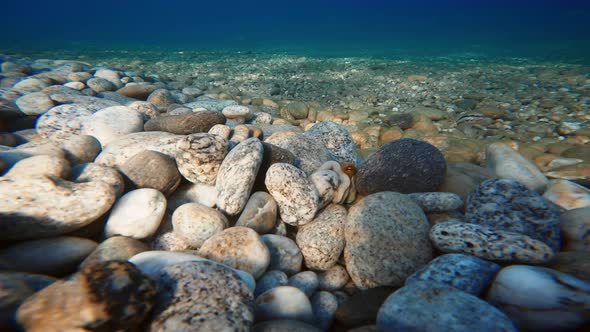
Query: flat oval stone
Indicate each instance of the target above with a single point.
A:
(34, 103)
(115, 248)
(240, 248)
(201, 296)
(336, 139)
(112, 123)
(284, 302)
(507, 205)
(237, 112)
(137, 91)
(386, 240)
(405, 166)
(109, 75)
(236, 176)
(37, 207)
(269, 280)
(295, 195)
(260, 213)
(137, 214)
(151, 169)
(98, 85)
(197, 122)
(506, 163)
(58, 256)
(195, 223)
(199, 157)
(40, 165)
(541, 299)
(437, 201)
(418, 307)
(489, 243)
(63, 121)
(322, 240)
(467, 273)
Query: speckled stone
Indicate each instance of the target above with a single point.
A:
(199, 157)
(541, 299)
(240, 248)
(418, 307)
(40, 165)
(201, 296)
(216, 105)
(115, 248)
(37, 207)
(34, 103)
(437, 201)
(269, 280)
(309, 154)
(295, 195)
(467, 273)
(326, 183)
(322, 240)
(489, 243)
(306, 281)
(361, 308)
(505, 163)
(198, 122)
(333, 279)
(260, 213)
(151, 169)
(284, 253)
(195, 223)
(108, 296)
(91, 172)
(336, 139)
(63, 121)
(509, 206)
(272, 155)
(405, 166)
(236, 176)
(324, 306)
(386, 240)
(284, 302)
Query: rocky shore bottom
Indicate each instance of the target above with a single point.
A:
(277, 193)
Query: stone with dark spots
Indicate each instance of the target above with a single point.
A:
(272, 154)
(405, 166)
(197, 122)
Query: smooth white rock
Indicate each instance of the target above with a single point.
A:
(137, 214)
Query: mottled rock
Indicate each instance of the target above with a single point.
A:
(508, 205)
(151, 169)
(506, 163)
(437, 201)
(81, 149)
(489, 243)
(98, 85)
(236, 176)
(322, 240)
(63, 121)
(386, 237)
(283, 302)
(295, 195)
(195, 223)
(418, 307)
(112, 123)
(260, 213)
(147, 110)
(541, 299)
(336, 139)
(198, 122)
(237, 112)
(199, 157)
(310, 155)
(405, 166)
(109, 75)
(161, 98)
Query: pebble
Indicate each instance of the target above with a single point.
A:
(98, 85)
(272, 155)
(40, 165)
(284, 302)
(236, 176)
(193, 193)
(285, 255)
(161, 98)
(56, 256)
(240, 248)
(10, 156)
(151, 169)
(326, 183)
(575, 229)
(139, 91)
(333, 279)
(197, 122)
(466, 273)
(507, 205)
(295, 195)
(34, 103)
(119, 248)
(214, 105)
(220, 130)
(30, 85)
(109, 75)
(336, 139)
(309, 154)
(200, 156)
(81, 149)
(567, 194)
(541, 299)
(306, 281)
(324, 306)
(260, 213)
(362, 308)
(505, 163)
(147, 110)
(575, 263)
(137, 214)
(112, 123)
(201, 296)
(386, 237)
(269, 280)
(283, 325)
(322, 240)
(110, 295)
(405, 166)
(63, 121)
(195, 223)
(418, 307)
(91, 172)
(489, 243)
(35, 207)
(437, 201)
(76, 85)
(237, 112)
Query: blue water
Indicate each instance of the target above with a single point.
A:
(541, 28)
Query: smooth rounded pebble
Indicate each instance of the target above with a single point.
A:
(91, 172)
(81, 149)
(260, 213)
(199, 157)
(505, 163)
(193, 193)
(297, 198)
(567, 194)
(324, 306)
(284, 253)
(386, 237)
(197, 122)
(137, 214)
(336, 139)
(575, 228)
(111, 123)
(40, 165)
(34, 103)
(195, 223)
(284, 302)
(306, 281)
(115, 248)
(269, 280)
(151, 169)
(489, 243)
(63, 121)
(421, 306)
(437, 201)
(240, 248)
(333, 279)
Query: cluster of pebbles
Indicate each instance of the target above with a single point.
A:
(133, 203)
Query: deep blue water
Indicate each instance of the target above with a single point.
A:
(541, 28)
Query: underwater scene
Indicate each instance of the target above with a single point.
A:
(295, 166)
